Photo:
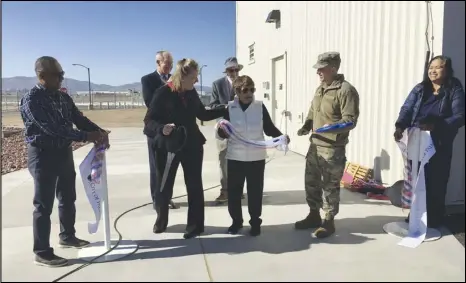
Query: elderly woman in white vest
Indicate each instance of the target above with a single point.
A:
(251, 119)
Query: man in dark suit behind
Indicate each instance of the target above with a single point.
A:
(150, 83)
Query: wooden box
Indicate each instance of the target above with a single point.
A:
(354, 172)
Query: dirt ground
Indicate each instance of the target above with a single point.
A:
(113, 118)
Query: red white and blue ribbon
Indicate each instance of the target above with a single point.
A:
(96, 165)
(280, 143)
(417, 149)
(94, 177)
(338, 126)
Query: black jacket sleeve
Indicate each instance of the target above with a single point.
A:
(146, 90)
(208, 115)
(269, 128)
(150, 83)
(156, 115)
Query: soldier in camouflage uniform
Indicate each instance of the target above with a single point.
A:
(335, 101)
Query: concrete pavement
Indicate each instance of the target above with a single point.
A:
(359, 251)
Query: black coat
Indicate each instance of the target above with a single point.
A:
(150, 83)
(167, 107)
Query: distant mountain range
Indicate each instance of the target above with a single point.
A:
(25, 83)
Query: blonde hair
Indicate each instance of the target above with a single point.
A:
(184, 67)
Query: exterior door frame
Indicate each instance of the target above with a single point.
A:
(274, 94)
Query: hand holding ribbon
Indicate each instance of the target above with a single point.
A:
(228, 131)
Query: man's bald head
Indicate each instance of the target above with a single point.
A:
(49, 72)
(164, 61)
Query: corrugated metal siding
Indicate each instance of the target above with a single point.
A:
(382, 45)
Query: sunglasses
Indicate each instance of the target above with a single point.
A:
(56, 74)
(247, 89)
(232, 70)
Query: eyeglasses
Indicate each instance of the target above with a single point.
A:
(60, 75)
(247, 89)
(232, 70)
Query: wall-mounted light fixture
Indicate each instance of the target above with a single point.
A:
(274, 17)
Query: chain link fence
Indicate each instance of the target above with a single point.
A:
(99, 101)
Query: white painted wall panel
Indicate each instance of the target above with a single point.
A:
(382, 46)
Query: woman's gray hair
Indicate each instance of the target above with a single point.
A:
(45, 63)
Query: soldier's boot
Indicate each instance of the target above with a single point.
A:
(312, 221)
(325, 230)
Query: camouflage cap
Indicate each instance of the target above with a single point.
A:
(328, 59)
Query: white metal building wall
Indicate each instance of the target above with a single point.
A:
(383, 49)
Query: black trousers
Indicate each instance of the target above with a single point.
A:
(437, 173)
(152, 168)
(54, 174)
(191, 161)
(253, 173)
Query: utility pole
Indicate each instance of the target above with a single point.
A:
(91, 106)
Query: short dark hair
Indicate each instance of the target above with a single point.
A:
(242, 81)
(44, 63)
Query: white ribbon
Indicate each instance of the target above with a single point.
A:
(280, 143)
(417, 149)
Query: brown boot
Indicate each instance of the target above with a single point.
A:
(325, 230)
(222, 198)
(312, 221)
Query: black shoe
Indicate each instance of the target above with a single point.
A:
(193, 234)
(234, 229)
(407, 219)
(312, 221)
(159, 229)
(50, 261)
(73, 242)
(173, 205)
(255, 231)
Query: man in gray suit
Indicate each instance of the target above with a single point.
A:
(222, 93)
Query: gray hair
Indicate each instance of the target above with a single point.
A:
(45, 63)
(162, 54)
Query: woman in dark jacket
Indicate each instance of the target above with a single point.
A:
(171, 122)
(435, 105)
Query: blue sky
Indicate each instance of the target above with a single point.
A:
(117, 40)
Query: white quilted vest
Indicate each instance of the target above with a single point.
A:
(249, 125)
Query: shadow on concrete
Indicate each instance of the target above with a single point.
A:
(295, 197)
(275, 239)
(75, 261)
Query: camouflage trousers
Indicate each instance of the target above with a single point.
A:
(324, 169)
